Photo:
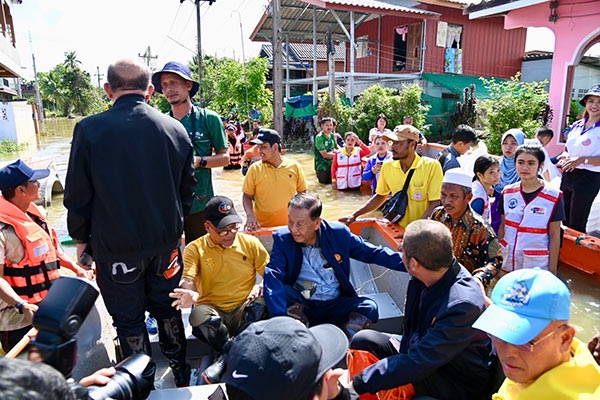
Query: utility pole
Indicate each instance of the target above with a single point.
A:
(199, 50)
(147, 56)
(99, 75)
(244, 63)
(38, 97)
(277, 68)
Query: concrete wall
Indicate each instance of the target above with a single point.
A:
(16, 123)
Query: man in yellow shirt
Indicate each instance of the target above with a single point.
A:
(425, 185)
(528, 323)
(270, 183)
(220, 280)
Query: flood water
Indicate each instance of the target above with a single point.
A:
(55, 146)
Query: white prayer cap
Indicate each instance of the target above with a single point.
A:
(458, 176)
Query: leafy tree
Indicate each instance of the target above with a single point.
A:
(395, 105)
(67, 88)
(224, 87)
(512, 104)
(338, 110)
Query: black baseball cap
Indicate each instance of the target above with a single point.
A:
(266, 136)
(281, 358)
(17, 173)
(221, 212)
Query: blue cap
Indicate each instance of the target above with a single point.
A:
(525, 301)
(180, 69)
(18, 173)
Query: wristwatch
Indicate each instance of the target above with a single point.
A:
(19, 305)
(203, 162)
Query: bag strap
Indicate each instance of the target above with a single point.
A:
(408, 178)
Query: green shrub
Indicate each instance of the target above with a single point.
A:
(512, 104)
(7, 146)
(372, 102)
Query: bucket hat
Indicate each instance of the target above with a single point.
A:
(594, 91)
(180, 69)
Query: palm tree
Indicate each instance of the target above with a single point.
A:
(71, 61)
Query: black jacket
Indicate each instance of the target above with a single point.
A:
(129, 181)
(440, 353)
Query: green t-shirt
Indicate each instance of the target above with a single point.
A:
(323, 143)
(209, 135)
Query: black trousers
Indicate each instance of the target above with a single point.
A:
(324, 176)
(580, 188)
(131, 288)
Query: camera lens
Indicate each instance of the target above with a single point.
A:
(120, 387)
(132, 381)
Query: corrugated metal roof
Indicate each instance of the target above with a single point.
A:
(297, 18)
(295, 61)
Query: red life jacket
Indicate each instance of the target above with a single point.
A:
(31, 277)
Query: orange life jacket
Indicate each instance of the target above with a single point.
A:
(235, 151)
(31, 277)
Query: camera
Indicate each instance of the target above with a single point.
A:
(129, 382)
(58, 319)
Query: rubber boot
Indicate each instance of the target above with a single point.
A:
(216, 334)
(214, 372)
(131, 345)
(253, 312)
(356, 322)
(213, 332)
(296, 311)
(173, 345)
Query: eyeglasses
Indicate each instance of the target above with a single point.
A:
(531, 344)
(226, 232)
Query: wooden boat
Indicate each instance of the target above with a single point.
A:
(386, 287)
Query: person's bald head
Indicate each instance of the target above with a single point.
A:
(128, 75)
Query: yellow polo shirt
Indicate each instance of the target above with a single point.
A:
(224, 277)
(272, 189)
(425, 185)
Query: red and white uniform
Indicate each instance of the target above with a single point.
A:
(526, 239)
(346, 168)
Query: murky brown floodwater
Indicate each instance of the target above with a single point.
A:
(55, 145)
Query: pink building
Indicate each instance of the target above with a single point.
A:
(576, 28)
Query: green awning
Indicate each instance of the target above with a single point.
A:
(457, 83)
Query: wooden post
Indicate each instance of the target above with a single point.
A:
(277, 69)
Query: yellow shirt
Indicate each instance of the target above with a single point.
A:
(425, 185)
(224, 277)
(272, 189)
(578, 378)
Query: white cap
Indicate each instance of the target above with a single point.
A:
(458, 176)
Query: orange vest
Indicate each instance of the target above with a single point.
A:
(31, 278)
(235, 152)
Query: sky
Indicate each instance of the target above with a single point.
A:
(101, 32)
(104, 31)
